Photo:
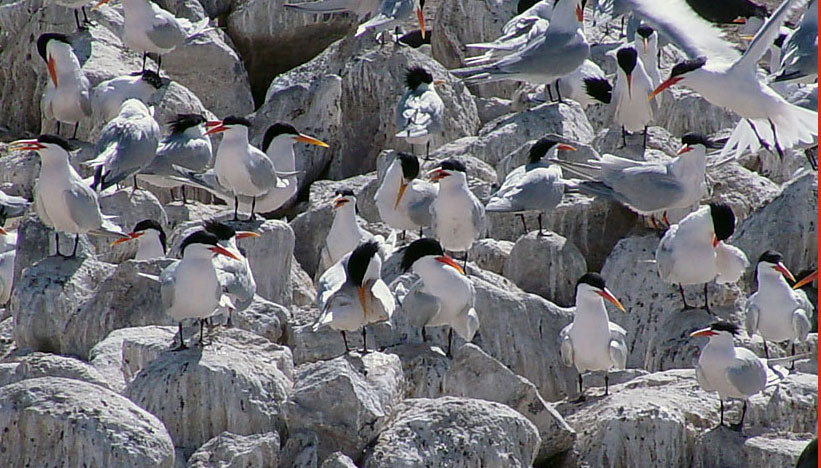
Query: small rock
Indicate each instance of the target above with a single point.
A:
(118, 364)
(490, 254)
(300, 450)
(37, 365)
(264, 318)
(229, 450)
(338, 460)
(722, 447)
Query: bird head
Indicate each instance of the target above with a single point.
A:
(416, 76)
(204, 244)
(627, 57)
(50, 46)
(543, 146)
(448, 168)
(344, 197)
(647, 34)
(722, 329)
(410, 169)
(771, 263)
(679, 73)
(723, 222)
(47, 146)
(427, 248)
(144, 227)
(694, 141)
(229, 123)
(287, 133)
(184, 122)
(591, 284)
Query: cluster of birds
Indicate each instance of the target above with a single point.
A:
(545, 44)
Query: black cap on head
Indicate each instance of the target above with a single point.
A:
(236, 120)
(185, 121)
(410, 165)
(696, 139)
(627, 56)
(57, 140)
(593, 279)
(540, 148)
(359, 260)
(687, 66)
(416, 76)
(771, 256)
(222, 231)
(418, 249)
(729, 327)
(599, 89)
(453, 165)
(43, 39)
(645, 31)
(199, 237)
(524, 5)
(151, 224)
(779, 41)
(275, 130)
(723, 220)
(346, 192)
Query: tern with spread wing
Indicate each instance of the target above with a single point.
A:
(67, 98)
(420, 111)
(403, 200)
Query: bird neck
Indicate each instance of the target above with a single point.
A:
(720, 344)
(454, 182)
(149, 246)
(345, 217)
(590, 307)
(281, 153)
(564, 17)
(771, 281)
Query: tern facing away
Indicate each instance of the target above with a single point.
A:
(420, 111)
(351, 294)
(67, 98)
(62, 200)
(776, 311)
(443, 282)
(592, 342)
(695, 251)
(734, 372)
(150, 237)
(536, 186)
(235, 275)
(109, 95)
(403, 200)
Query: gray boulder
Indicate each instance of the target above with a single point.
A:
(338, 460)
(121, 355)
(491, 254)
(37, 365)
(229, 450)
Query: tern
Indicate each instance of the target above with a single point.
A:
(12, 206)
(647, 45)
(361, 8)
(392, 13)
(799, 56)
(776, 311)
(67, 98)
(516, 34)
(351, 294)
(126, 145)
(8, 252)
(186, 146)
(150, 237)
(695, 251)
(189, 287)
(557, 52)
(586, 85)
(734, 372)
(150, 29)
(536, 186)
(728, 11)
(345, 233)
(403, 200)
(75, 5)
(634, 111)
(445, 282)
(109, 95)
(592, 342)
(62, 200)
(725, 80)
(420, 111)
(235, 276)
(648, 188)
(457, 216)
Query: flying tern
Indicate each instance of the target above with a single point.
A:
(109, 95)
(536, 186)
(392, 13)
(634, 111)
(403, 200)
(150, 237)
(351, 294)
(592, 342)
(420, 110)
(67, 95)
(695, 251)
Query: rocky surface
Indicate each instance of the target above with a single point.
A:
(229, 450)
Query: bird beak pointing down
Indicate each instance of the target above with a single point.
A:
(449, 262)
(421, 18)
(3, 233)
(246, 234)
(702, 332)
(310, 140)
(579, 13)
(684, 149)
(221, 251)
(130, 236)
(806, 280)
(610, 298)
(402, 187)
(52, 71)
(784, 271)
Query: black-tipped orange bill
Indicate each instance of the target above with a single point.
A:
(3, 232)
(26, 145)
(339, 201)
(609, 297)
(703, 332)
(449, 262)
(131, 236)
(216, 129)
(99, 4)
(804, 281)
(310, 140)
(421, 18)
(246, 234)
(402, 187)
(438, 174)
(564, 147)
(664, 85)
(684, 149)
(784, 271)
(52, 71)
(579, 13)
(222, 251)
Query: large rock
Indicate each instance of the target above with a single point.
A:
(121, 355)
(369, 89)
(299, 450)
(547, 265)
(37, 365)
(52, 421)
(364, 390)
(237, 383)
(264, 318)
(491, 254)
(229, 450)
(457, 432)
(728, 448)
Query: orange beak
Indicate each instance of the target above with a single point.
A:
(212, 123)
(339, 201)
(740, 20)
(437, 174)
(806, 280)
(564, 147)
(131, 236)
(421, 18)
(666, 84)
(221, 251)
(99, 4)
(3, 232)
(684, 149)
(715, 241)
(449, 262)
(402, 187)
(246, 234)
(646, 44)
(784, 271)
(609, 297)
(26, 145)
(310, 140)
(703, 332)
(216, 127)
(579, 13)
(52, 72)
(439, 82)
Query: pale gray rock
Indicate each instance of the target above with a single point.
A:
(338, 460)
(229, 450)
(492, 108)
(299, 450)
(237, 383)
(121, 355)
(788, 405)
(37, 365)
(18, 171)
(129, 209)
(179, 213)
(84, 423)
(7, 345)
(729, 448)
(745, 191)
(424, 367)
(263, 318)
(457, 432)
(547, 265)
(35, 241)
(303, 292)
(491, 254)
(365, 390)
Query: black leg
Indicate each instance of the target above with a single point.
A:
(686, 306)
(763, 143)
(77, 19)
(145, 55)
(706, 300)
(202, 324)
(76, 126)
(427, 151)
(345, 339)
(135, 186)
(465, 264)
(159, 63)
(644, 141)
(792, 353)
(450, 342)
(766, 351)
(541, 233)
(58, 128)
(171, 191)
(182, 192)
(721, 421)
(85, 16)
(228, 324)
(364, 340)
(76, 241)
(524, 223)
(606, 383)
(424, 335)
(623, 137)
(253, 207)
(420, 231)
(812, 158)
(403, 234)
(775, 140)
(558, 91)
(737, 427)
(182, 341)
(57, 243)
(581, 385)
(236, 207)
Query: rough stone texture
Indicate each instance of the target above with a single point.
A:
(122, 354)
(84, 423)
(788, 406)
(490, 254)
(229, 450)
(364, 391)
(728, 448)
(35, 241)
(547, 265)
(299, 450)
(303, 292)
(236, 383)
(264, 318)
(37, 365)
(457, 432)
(338, 460)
